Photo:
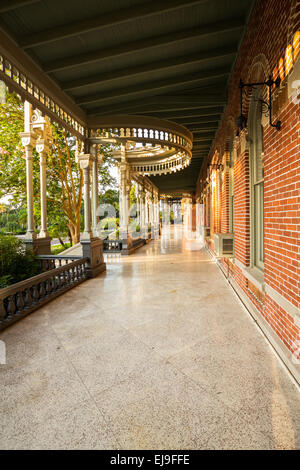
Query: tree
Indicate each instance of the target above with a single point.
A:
(64, 177)
(12, 161)
(65, 182)
(111, 196)
(132, 196)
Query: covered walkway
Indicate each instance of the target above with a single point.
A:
(156, 353)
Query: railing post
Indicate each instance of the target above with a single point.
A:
(2, 311)
(92, 247)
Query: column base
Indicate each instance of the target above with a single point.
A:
(127, 247)
(39, 246)
(93, 249)
(135, 244)
(156, 232)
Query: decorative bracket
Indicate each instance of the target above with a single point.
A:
(242, 120)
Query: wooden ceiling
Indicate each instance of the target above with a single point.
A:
(167, 59)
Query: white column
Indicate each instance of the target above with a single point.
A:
(146, 212)
(28, 141)
(187, 215)
(30, 234)
(96, 161)
(124, 199)
(151, 210)
(165, 212)
(156, 214)
(42, 150)
(137, 192)
(158, 211)
(85, 164)
(142, 212)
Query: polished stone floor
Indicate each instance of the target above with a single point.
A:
(157, 353)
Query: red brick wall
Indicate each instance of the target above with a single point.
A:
(282, 205)
(271, 28)
(225, 203)
(242, 209)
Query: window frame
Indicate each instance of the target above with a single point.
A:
(256, 137)
(231, 187)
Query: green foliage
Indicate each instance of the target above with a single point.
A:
(56, 249)
(134, 226)
(132, 196)
(111, 196)
(64, 186)
(12, 163)
(12, 220)
(109, 222)
(64, 178)
(58, 227)
(16, 264)
(106, 180)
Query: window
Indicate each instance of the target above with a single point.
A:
(208, 207)
(231, 188)
(256, 181)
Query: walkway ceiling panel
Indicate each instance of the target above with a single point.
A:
(170, 60)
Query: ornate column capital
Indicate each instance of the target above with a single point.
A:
(42, 146)
(85, 160)
(28, 139)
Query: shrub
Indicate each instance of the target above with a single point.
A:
(16, 264)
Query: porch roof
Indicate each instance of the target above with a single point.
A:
(169, 59)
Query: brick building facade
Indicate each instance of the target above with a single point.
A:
(270, 287)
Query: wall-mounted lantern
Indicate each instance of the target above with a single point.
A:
(267, 106)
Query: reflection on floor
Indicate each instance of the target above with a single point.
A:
(157, 353)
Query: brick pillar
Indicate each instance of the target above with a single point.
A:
(225, 201)
(242, 204)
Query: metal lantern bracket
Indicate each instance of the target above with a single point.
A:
(242, 120)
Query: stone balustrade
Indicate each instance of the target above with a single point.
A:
(22, 298)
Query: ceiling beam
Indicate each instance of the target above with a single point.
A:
(207, 138)
(203, 123)
(203, 127)
(7, 5)
(143, 44)
(148, 67)
(194, 113)
(164, 103)
(200, 147)
(104, 20)
(178, 113)
(193, 121)
(161, 107)
(156, 86)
